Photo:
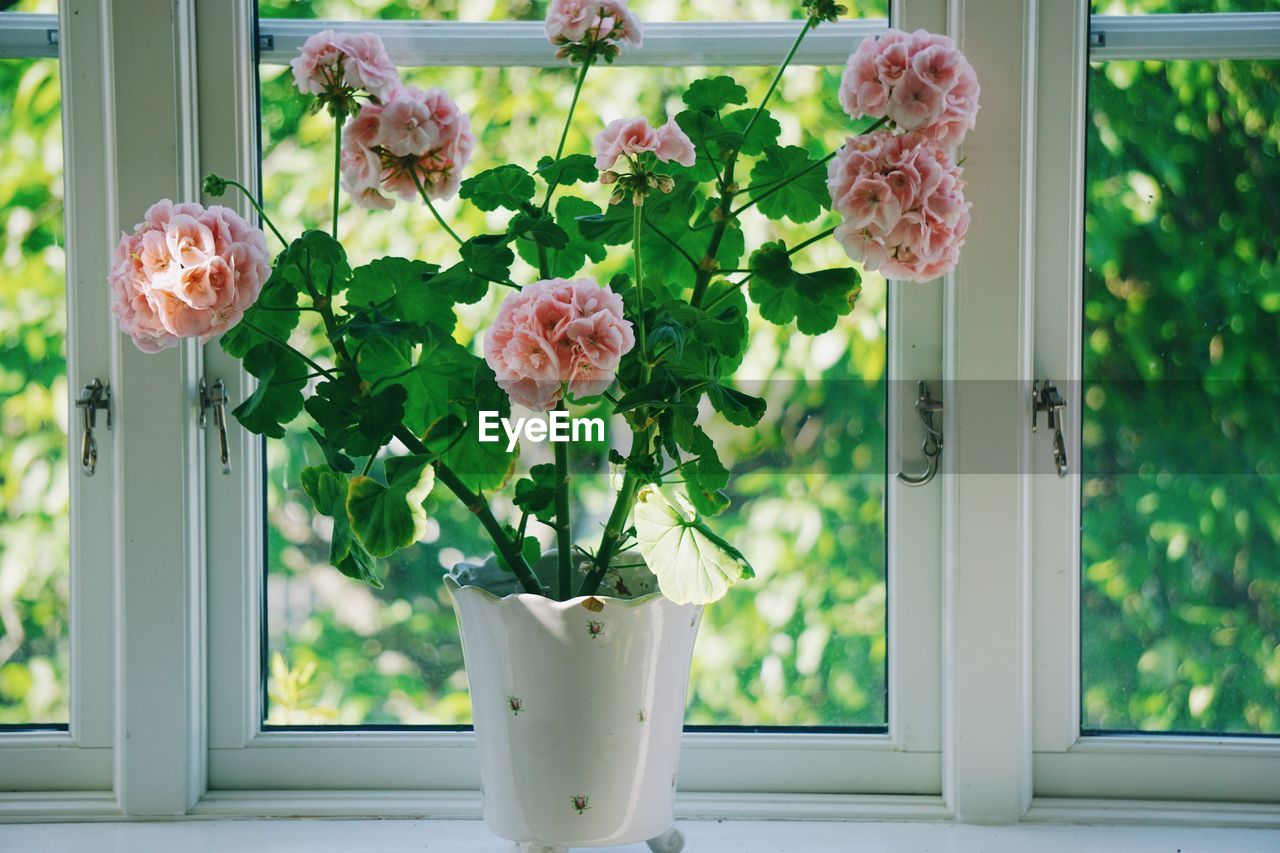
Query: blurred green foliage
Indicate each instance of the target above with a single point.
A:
(34, 543)
(1181, 495)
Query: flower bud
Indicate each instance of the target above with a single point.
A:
(608, 177)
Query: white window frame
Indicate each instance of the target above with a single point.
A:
(1073, 771)
(77, 760)
(983, 668)
(905, 760)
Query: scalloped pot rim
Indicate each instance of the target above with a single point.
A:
(525, 597)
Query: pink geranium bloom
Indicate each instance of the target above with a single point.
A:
(902, 201)
(592, 22)
(330, 62)
(557, 333)
(414, 137)
(633, 137)
(186, 272)
(920, 81)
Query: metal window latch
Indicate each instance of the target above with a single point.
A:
(93, 397)
(215, 397)
(1046, 398)
(928, 409)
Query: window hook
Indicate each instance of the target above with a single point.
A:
(93, 397)
(927, 408)
(1049, 400)
(215, 397)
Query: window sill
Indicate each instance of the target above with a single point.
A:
(313, 836)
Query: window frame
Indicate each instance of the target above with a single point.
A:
(77, 756)
(993, 730)
(1069, 765)
(905, 759)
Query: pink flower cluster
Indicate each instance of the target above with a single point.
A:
(330, 62)
(920, 81)
(590, 23)
(903, 205)
(186, 272)
(635, 136)
(557, 332)
(412, 133)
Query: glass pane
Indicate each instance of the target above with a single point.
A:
(34, 539)
(1145, 7)
(536, 10)
(804, 645)
(1181, 443)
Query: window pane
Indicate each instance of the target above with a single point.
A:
(1181, 443)
(536, 10)
(1144, 7)
(34, 542)
(804, 645)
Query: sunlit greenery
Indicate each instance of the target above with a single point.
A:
(34, 544)
(1181, 512)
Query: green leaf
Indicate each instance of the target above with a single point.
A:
(543, 232)
(814, 300)
(441, 378)
(693, 564)
(536, 494)
(711, 140)
(316, 262)
(406, 288)
(714, 93)
(764, 132)
(705, 476)
(567, 261)
(273, 315)
(332, 451)
(508, 186)
(278, 399)
(328, 493)
(483, 466)
(738, 408)
(389, 517)
(802, 198)
(485, 259)
(568, 170)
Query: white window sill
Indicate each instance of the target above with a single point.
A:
(392, 836)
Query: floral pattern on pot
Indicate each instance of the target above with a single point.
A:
(581, 802)
(595, 629)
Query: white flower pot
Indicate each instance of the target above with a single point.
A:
(578, 712)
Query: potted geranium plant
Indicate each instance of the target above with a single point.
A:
(577, 658)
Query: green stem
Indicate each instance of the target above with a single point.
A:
(564, 134)
(422, 191)
(777, 78)
(286, 346)
(564, 523)
(616, 524)
(480, 508)
(637, 221)
(337, 168)
(253, 201)
(815, 238)
(708, 266)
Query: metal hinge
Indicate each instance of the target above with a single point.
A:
(927, 408)
(215, 397)
(1097, 38)
(93, 397)
(1046, 398)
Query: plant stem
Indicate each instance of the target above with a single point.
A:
(708, 266)
(337, 168)
(777, 78)
(286, 346)
(422, 191)
(637, 221)
(564, 134)
(564, 524)
(480, 509)
(253, 201)
(815, 238)
(616, 524)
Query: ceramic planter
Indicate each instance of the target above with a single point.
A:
(578, 708)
